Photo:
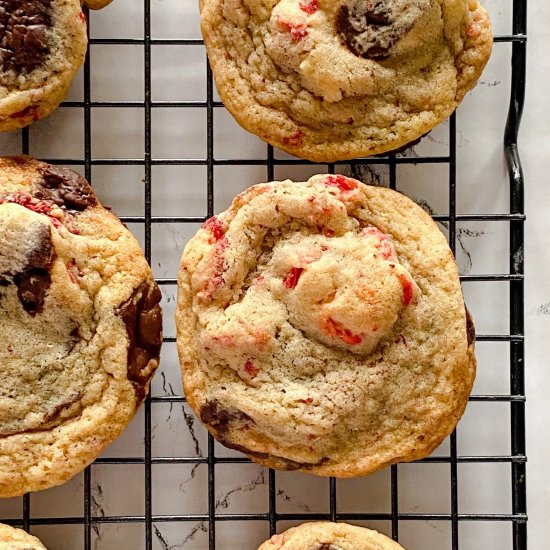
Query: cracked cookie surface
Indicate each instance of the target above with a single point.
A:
(329, 536)
(321, 327)
(329, 81)
(80, 325)
(42, 46)
(17, 539)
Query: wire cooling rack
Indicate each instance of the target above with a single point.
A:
(93, 525)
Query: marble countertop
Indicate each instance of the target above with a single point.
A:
(178, 73)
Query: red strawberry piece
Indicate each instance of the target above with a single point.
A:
(407, 288)
(251, 369)
(343, 183)
(292, 278)
(335, 329)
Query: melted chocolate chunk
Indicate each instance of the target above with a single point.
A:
(56, 411)
(32, 287)
(369, 28)
(282, 463)
(219, 417)
(66, 188)
(143, 319)
(470, 328)
(24, 42)
(34, 281)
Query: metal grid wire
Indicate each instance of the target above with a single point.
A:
(515, 338)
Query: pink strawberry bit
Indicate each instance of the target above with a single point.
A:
(384, 246)
(307, 401)
(217, 265)
(337, 330)
(294, 139)
(251, 369)
(297, 30)
(278, 540)
(258, 280)
(343, 183)
(82, 16)
(224, 341)
(309, 7)
(407, 288)
(474, 30)
(328, 232)
(292, 278)
(215, 227)
(30, 203)
(322, 204)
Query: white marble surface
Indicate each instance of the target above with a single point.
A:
(482, 187)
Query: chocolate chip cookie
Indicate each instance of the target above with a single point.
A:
(80, 325)
(321, 327)
(16, 539)
(331, 80)
(329, 536)
(42, 45)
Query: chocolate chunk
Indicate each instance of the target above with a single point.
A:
(470, 328)
(66, 188)
(34, 281)
(216, 415)
(219, 417)
(280, 462)
(32, 287)
(24, 40)
(42, 256)
(56, 411)
(142, 316)
(370, 28)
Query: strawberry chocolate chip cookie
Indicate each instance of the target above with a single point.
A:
(16, 539)
(329, 80)
(42, 45)
(322, 327)
(80, 325)
(329, 536)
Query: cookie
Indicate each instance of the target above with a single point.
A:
(16, 539)
(42, 46)
(329, 536)
(321, 327)
(97, 4)
(332, 80)
(80, 325)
